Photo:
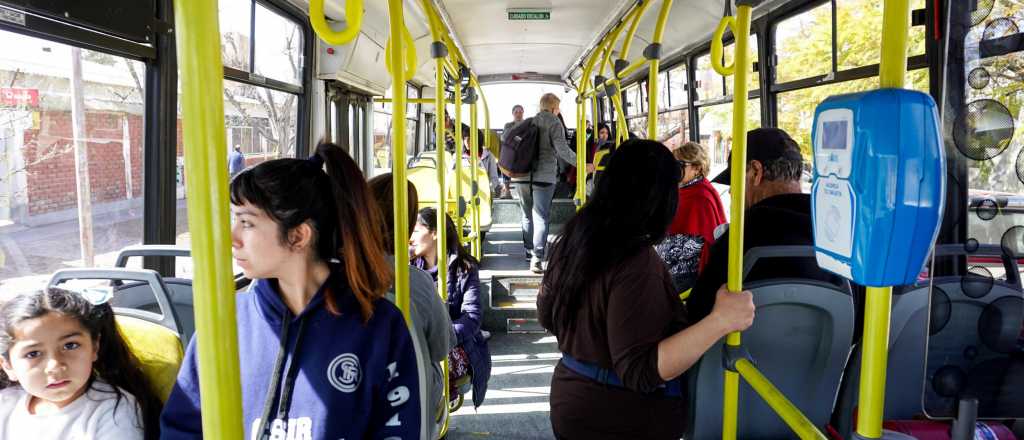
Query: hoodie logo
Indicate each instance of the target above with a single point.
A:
(344, 373)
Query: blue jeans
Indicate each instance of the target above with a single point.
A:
(535, 200)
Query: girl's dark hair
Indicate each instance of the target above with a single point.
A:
(631, 209)
(115, 363)
(428, 217)
(338, 206)
(383, 192)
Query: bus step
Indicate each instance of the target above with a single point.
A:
(524, 325)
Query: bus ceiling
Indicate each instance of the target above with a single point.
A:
(502, 41)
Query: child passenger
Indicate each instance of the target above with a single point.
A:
(68, 374)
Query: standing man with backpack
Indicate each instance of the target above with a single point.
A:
(517, 117)
(529, 155)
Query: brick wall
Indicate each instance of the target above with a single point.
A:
(50, 157)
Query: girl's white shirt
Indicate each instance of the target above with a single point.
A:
(95, 415)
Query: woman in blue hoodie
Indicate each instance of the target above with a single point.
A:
(322, 353)
(463, 293)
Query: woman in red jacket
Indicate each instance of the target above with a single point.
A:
(691, 234)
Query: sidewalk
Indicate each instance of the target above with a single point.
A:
(30, 255)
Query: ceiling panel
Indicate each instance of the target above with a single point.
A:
(495, 44)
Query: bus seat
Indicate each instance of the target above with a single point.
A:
(904, 378)
(934, 325)
(140, 296)
(157, 348)
(800, 340)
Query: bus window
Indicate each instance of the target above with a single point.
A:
(858, 25)
(803, 45)
(715, 126)
(43, 225)
(753, 76)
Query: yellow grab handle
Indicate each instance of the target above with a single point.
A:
(353, 16)
(717, 47)
(408, 52)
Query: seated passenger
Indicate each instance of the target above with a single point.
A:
(777, 214)
(464, 307)
(431, 324)
(609, 301)
(322, 354)
(68, 373)
(692, 232)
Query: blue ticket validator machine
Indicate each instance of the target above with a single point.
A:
(879, 185)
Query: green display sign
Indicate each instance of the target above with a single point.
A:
(529, 15)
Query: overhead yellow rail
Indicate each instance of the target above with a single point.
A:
(209, 220)
(353, 18)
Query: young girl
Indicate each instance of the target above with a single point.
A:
(464, 307)
(68, 374)
(322, 354)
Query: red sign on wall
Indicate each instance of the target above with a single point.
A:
(13, 97)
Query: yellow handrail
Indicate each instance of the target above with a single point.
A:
(878, 300)
(741, 27)
(409, 63)
(353, 17)
(459, 202)
(396, 17)
(652, 75)
(788, 412)
(196, 23)
(717, 47)
(474, 196)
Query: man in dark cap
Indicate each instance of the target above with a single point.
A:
(777, 214)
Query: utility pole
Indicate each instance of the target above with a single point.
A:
(81, 159)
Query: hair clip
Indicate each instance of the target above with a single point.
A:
(97, 295)
(316, 160)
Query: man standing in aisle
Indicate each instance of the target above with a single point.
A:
(517, 117)
(538, 189)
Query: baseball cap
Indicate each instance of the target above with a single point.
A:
(764, 145)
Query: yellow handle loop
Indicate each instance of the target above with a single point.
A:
(717, 47)
(353, 16)
(408, 52)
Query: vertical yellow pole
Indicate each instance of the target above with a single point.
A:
(581, 153)
(442, 206)
(458, 169)
(652, 75)
(474, 158)
(738, 207)
(878, 300)
(396, 17)
(208, 216)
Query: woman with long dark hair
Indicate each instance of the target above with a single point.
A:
(608, 299)
(464, 307)
(322, 353)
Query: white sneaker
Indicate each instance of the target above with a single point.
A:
(536, 265)
(487, 334)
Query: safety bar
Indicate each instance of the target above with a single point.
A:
(168, 317)
(407, 100)
(198, 48)
(741, 29)
(150, 250)
(1010, 263)
(353, 17)
(778, 402)
(878, 300)
(399, 63)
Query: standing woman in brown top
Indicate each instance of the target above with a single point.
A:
(609, 300)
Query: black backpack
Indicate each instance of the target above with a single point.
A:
(519, 149)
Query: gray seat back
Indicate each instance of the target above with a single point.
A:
(904, 379)
(800, 340)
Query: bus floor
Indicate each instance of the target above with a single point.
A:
(516, 406)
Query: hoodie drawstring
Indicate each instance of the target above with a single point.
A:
(275, 381)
